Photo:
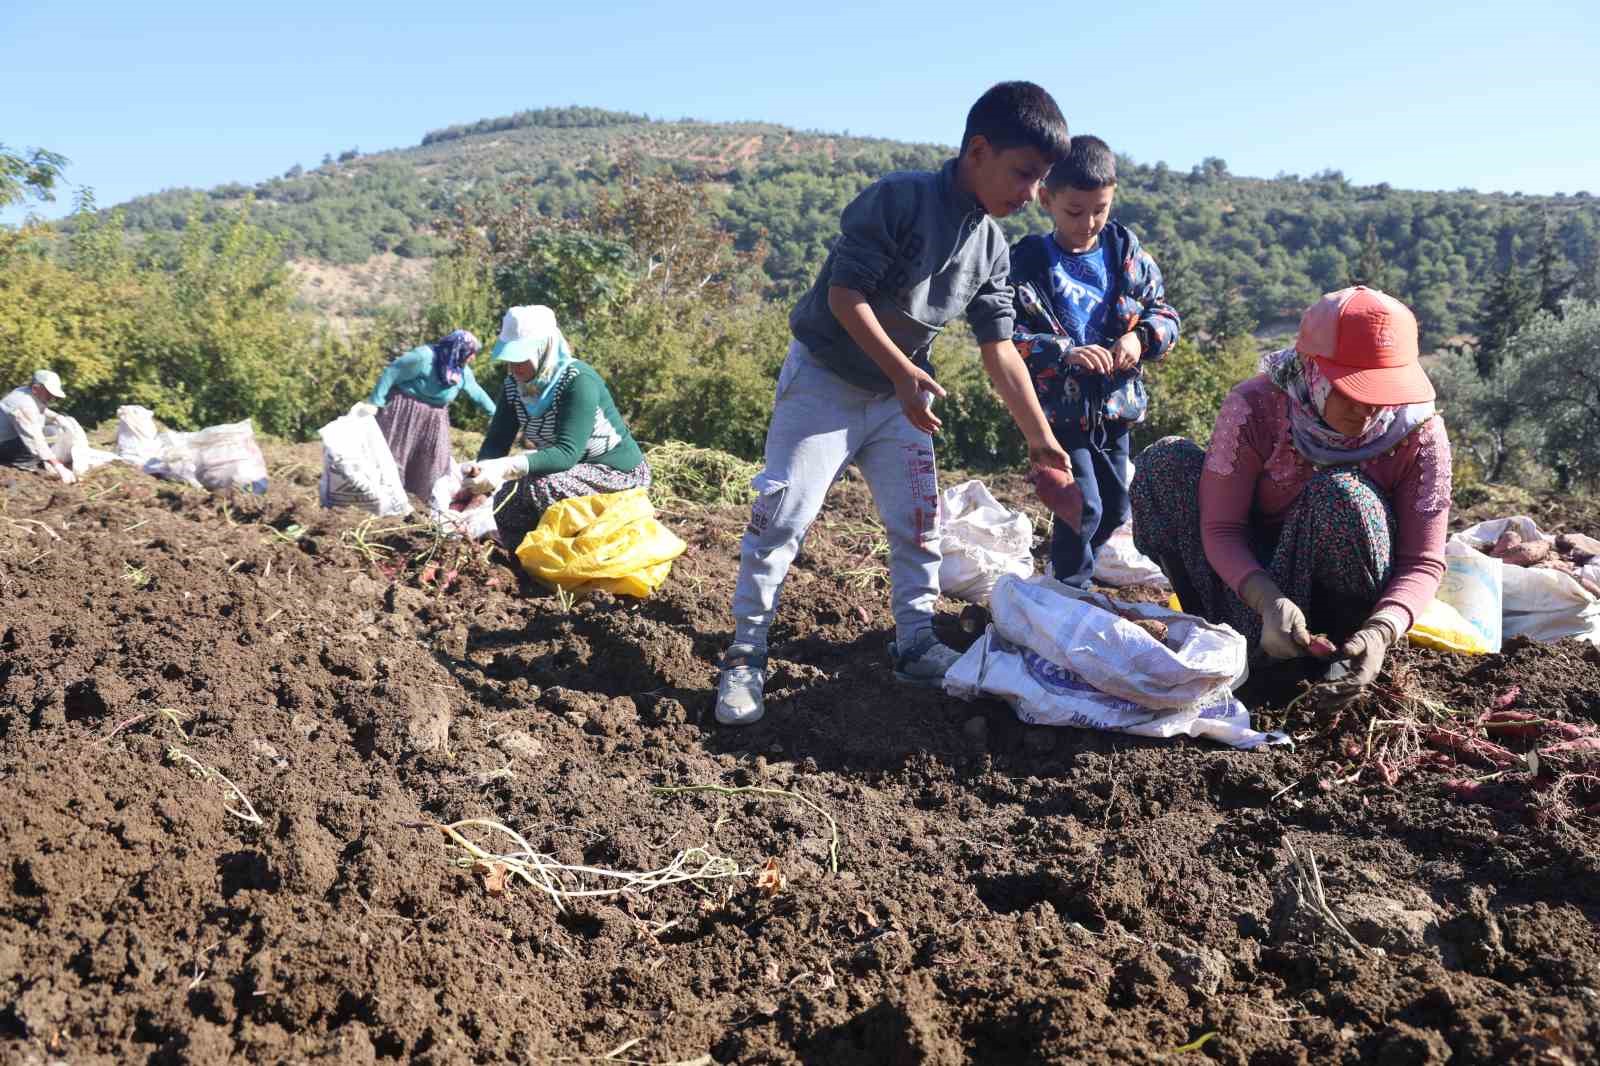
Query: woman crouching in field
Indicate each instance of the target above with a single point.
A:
(1319, 509)
(561, 411)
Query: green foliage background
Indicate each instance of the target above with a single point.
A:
(1270, 245)
(672, 252)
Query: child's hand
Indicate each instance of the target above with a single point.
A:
(1091, 357)
(1050, 455)
(916, 392)
(1126, 351)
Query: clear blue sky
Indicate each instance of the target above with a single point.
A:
(1431, 94)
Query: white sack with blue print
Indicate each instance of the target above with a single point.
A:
(1061, 656)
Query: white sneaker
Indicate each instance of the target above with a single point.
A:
(923, 664)
(739, 686)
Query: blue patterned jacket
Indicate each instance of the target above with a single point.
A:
(1070, 395)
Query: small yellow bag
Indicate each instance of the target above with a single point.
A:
(1443, 628)
(610, 542)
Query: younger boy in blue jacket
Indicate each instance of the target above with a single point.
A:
(1091, 310)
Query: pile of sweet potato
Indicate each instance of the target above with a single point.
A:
(1568, 554)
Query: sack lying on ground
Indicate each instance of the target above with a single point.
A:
(1543, 605)
(358, 469)
(70, 445)
(473, 518)
(981, 541)
(217, 457)
(1060, 659)
(228, 457)
(1119, 564)
(1466, 614)
(610, 542)
(138, 436)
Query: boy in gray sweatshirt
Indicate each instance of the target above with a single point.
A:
(915, 250)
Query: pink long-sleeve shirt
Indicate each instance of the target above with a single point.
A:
(1253, 475)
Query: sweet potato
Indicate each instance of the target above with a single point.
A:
(1527, 553)
(1483, 792)
(1505, 542)
(1577, 547)
(1569, 756)
(1578, 747)
(1436, 761)
(1462, 789)
(1531, 726)
(1472, 749)
(1321, 646)
(1156, 629)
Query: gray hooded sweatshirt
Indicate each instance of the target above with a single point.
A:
(921, 252)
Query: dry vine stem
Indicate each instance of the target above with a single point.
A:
(206, 773)
(770, 793)
(1308, 886)
(546, 874)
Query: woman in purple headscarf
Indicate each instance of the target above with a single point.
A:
(415, 419)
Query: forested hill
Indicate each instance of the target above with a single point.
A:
(1230, 245)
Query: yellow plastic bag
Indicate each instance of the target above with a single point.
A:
(611, 542)
(1443, 628)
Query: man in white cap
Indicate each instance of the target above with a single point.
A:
(24, 412)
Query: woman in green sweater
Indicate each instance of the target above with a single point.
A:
(412, 400)
(559, 410)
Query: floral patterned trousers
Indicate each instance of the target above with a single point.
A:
(1332, 555)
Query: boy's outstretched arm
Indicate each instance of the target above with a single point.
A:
(1009, 375)
(853, 312)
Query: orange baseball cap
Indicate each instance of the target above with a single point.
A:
(1365, 342)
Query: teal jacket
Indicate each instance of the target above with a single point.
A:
(412, 373)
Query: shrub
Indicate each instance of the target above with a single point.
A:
(1188, 386)
(978, 433)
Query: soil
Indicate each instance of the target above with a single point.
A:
(1004, 894)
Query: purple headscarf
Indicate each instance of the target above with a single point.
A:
(452, 352)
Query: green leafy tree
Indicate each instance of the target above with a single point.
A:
(1188, 386)
(1370, 269)
(580, 275)
(223, 341)
(1552, 287)
(29, 174)
(1507, 305)
(1488, 417)
(1561, 376)
(977, 432)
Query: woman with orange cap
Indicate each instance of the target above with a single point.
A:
(1321, 504)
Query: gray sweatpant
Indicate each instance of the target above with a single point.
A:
(820, 424)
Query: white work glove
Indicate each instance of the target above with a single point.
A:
(364, 409)
(1284, 634)
(64, 472)
(485, 477)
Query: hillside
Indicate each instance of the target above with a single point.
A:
(1276, 242)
